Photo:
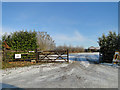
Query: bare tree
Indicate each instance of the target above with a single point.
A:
(70, 48)
(44, 41)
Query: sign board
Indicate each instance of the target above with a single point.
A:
(17, 56)
(116, 57)
(31, 51)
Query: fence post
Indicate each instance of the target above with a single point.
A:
(5, 55)
(67, 55)
(37, 56)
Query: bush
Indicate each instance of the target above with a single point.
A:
(108, 45)
(22, 40)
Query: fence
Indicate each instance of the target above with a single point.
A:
(38, 56)
(9, 55)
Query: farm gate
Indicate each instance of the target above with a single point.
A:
(52, 56)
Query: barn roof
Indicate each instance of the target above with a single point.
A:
(92, 47)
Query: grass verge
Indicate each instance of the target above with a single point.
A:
(23, 64)
(17, 64)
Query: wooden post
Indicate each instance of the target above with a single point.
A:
(6, 59)
(67, 55)
(3, 54)
(37, 55)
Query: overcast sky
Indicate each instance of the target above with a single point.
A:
(77, 24)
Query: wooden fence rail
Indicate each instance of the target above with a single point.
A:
(39, 56)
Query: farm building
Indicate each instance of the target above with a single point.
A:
(94, 49)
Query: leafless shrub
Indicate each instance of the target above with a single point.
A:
(44, 41)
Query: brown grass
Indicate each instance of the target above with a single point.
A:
(17, 64)
(22, 64)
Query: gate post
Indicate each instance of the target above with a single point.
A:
(37, 56)
(67, 55)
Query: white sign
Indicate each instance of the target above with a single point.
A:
(31, 51)
(17, 56)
